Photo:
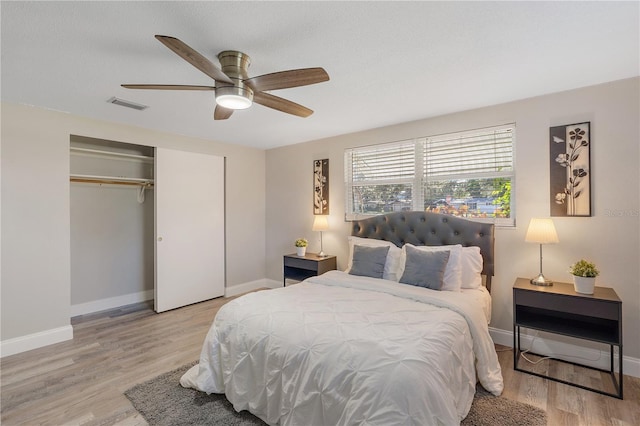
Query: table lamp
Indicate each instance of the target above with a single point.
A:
(541, 231)
(320, 223)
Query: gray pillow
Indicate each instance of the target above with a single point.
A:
(368, 261)
(424, 268)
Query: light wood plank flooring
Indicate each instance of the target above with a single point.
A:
(81, 382)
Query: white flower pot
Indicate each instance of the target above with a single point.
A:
(301, 251)
(584, 285)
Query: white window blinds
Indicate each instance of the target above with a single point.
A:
(477, 154)
(383, 164)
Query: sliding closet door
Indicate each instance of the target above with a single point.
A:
(189, 246)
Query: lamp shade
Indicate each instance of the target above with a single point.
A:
(541, 231)
(320, 223)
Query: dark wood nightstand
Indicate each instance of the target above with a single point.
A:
(310, 265)
(559, 309)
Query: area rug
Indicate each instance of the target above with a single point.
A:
(163, 402)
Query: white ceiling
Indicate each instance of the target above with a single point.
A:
(389, 62)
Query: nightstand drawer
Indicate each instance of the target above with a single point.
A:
(302, 263)
(572, 305)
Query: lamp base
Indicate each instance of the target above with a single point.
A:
(541, 280)
(321, 254)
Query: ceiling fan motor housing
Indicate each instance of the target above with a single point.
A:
(234, 64)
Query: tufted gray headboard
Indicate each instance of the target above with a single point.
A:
(430, 229)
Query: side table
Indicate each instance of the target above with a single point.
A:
(559, 309)
(310, 265)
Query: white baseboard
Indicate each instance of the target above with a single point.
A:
(567, 351)
(35, 340)
(142, 296)
(273, 283)
(237, 289)
(110, 303)
(57, 335)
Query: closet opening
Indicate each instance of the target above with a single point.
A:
(112, 224)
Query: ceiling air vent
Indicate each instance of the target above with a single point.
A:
(128, 104)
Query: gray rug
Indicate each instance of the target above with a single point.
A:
(163, 402)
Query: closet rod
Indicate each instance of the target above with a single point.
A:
(111, 180)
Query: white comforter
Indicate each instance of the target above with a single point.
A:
(340, 349)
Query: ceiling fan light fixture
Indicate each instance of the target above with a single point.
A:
(234, 97)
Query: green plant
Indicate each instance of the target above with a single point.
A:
(503, 196)
(301, 242)
(582, 268)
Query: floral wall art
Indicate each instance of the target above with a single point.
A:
(321, 187)
(570, 191)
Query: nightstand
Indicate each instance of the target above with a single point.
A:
(310, 265)
(559, 309)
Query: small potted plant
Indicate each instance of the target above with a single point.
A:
(301, 246)
(584, 276)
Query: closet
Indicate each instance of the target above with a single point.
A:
(146, 223)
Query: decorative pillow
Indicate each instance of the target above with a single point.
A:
(392, 265)
(453, 272)
(369, 261)
(472, 265)
(424, 268)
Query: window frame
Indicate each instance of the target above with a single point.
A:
(420, 178)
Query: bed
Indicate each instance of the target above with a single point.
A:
(359, 347)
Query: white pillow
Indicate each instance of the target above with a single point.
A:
(453, 272)
(471, 267)
(392, 264)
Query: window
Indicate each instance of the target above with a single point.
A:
(468, 174)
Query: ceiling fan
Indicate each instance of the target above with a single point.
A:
(234, 89)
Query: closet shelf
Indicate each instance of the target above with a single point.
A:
(110, 154)
(111, 180)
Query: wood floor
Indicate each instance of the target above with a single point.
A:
(81, 382)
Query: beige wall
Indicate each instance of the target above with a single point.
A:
(611, 237)
(35, 213)
(35, 294)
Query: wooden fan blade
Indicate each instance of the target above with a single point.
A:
(222, 113)
(166, 87)
(281, 104)
(194, 58)
(287, 79)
